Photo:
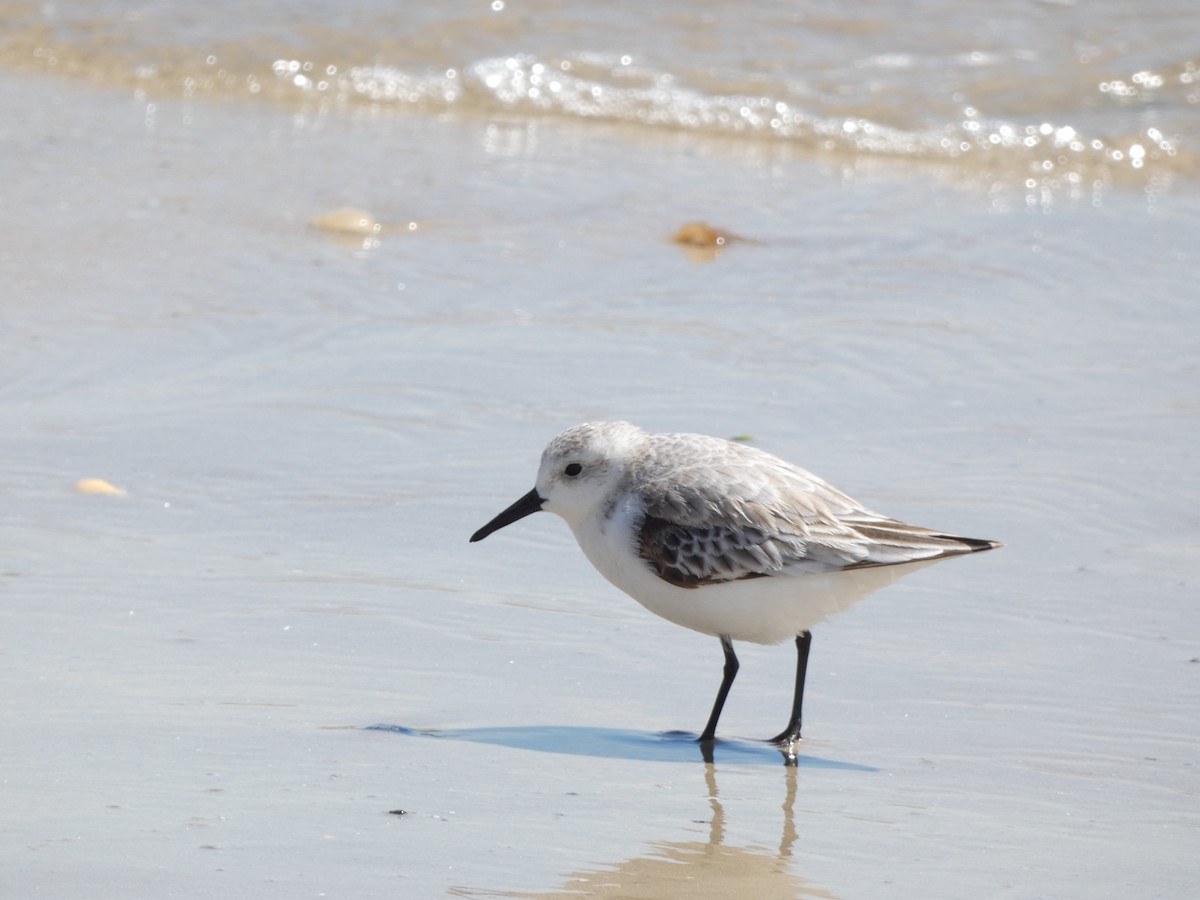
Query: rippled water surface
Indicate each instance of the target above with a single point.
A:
(1064, 95)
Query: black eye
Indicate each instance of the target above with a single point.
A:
(573, 469)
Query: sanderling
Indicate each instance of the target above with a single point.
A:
(722, 538)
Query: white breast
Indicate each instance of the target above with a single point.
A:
(760, 610)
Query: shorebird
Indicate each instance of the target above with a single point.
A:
(723, 538)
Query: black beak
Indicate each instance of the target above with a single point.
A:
(526, 506)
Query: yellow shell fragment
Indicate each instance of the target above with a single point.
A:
(347, 220)
(97, 486)
(699, 234)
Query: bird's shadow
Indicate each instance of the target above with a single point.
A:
(613, 743)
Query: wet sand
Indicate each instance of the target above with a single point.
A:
(308, 426)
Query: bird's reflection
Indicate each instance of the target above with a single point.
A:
(705, 869)
(700, 870)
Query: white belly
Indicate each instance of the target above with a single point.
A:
(760, 610)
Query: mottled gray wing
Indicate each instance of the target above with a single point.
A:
(747, 514)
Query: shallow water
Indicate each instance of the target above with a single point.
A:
(309, 426)
(1059, 97)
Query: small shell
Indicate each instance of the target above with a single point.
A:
(347, 220)
(699, 234)
(97, 486)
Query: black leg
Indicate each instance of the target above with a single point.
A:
(731, 669)
(792, 732)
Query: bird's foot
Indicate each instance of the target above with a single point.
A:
(787, 742)
(785, 737)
